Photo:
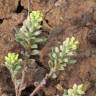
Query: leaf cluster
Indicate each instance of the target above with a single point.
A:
(12, 62)
(61, 56)
(29, 34)
(77, 90)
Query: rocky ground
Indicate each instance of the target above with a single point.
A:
(62, 18)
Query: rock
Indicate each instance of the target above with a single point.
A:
(7, 35)
(6, 85)
(25, 3)
(7, 7)
(91, 36)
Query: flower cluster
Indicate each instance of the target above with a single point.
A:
(12, 62)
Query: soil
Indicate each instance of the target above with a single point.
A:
(62, 18)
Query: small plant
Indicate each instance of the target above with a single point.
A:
(77, 90)
(59, 58)
(29, 34)
(12, 62)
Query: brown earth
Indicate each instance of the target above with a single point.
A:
(63, 18)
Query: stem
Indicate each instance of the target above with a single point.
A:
(19, 87)
(42, 84)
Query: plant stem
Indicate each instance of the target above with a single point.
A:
(19, 87)
(43, 83)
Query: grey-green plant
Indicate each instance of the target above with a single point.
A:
(29, 35)
(12, 62)
(61, 56)
(76, 90)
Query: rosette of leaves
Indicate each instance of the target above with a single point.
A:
(77, 90)
(61, 56)
(12, 62)
(29, 34)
